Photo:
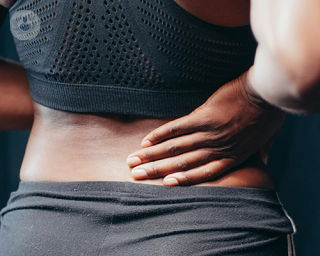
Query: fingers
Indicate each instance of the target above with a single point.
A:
(167, 166)
(180, 126)
(203, 173)
(169, 148)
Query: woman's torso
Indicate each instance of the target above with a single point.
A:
(65, 146)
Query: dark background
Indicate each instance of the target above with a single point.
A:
(294, 162)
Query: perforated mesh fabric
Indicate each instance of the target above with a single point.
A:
(141, 57)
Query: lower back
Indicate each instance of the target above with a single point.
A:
(66, 146)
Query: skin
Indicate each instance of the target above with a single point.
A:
(223, 132)
(286, 72)
(7, 3)
(67, 146)
(16, 107)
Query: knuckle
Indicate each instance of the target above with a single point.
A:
(172, 149)
(154, 171)
(208, 154)
(182, 164)
(208, 173)
(174, 129)
(186, 180)
(149, 155)
(157, 136)
(211, 137)
(226, 150)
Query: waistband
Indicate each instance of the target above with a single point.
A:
(214, 220)
(232, 204)
(148, 189)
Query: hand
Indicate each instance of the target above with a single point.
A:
(233, 124)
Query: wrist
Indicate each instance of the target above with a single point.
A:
(253, 97)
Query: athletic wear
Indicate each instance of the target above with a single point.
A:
(141, 57)
(122, 218)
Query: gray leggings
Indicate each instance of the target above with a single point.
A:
(122, 218)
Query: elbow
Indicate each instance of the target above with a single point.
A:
(308, 89)
(306, 82)
(302, 68)
(304, 77)
(307, 92)
(289, 84)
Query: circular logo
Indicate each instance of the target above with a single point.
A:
(25, 25)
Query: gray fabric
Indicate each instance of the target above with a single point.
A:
(122, 218)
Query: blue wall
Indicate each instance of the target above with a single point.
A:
(294, 161)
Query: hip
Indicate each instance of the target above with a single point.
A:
(123, 218)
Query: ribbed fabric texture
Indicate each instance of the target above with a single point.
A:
(139, 57)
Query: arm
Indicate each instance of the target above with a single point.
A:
(16, 108)
(286, 71)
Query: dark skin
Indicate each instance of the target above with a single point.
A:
(67, 146)
(7, 3)
(212, 139)
(16, 108)
(214, 11)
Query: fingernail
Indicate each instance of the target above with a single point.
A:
(133, 160)
(146, 143)
(139, 173)
(170, 182)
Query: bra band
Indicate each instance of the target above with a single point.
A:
(3, 14)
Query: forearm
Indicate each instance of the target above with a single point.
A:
(16, 106)
(268, 79)
(287, 71)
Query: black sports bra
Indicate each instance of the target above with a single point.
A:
(139, 57)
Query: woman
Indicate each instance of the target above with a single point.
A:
(78, 195)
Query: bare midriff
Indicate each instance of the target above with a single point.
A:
(65, 146)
